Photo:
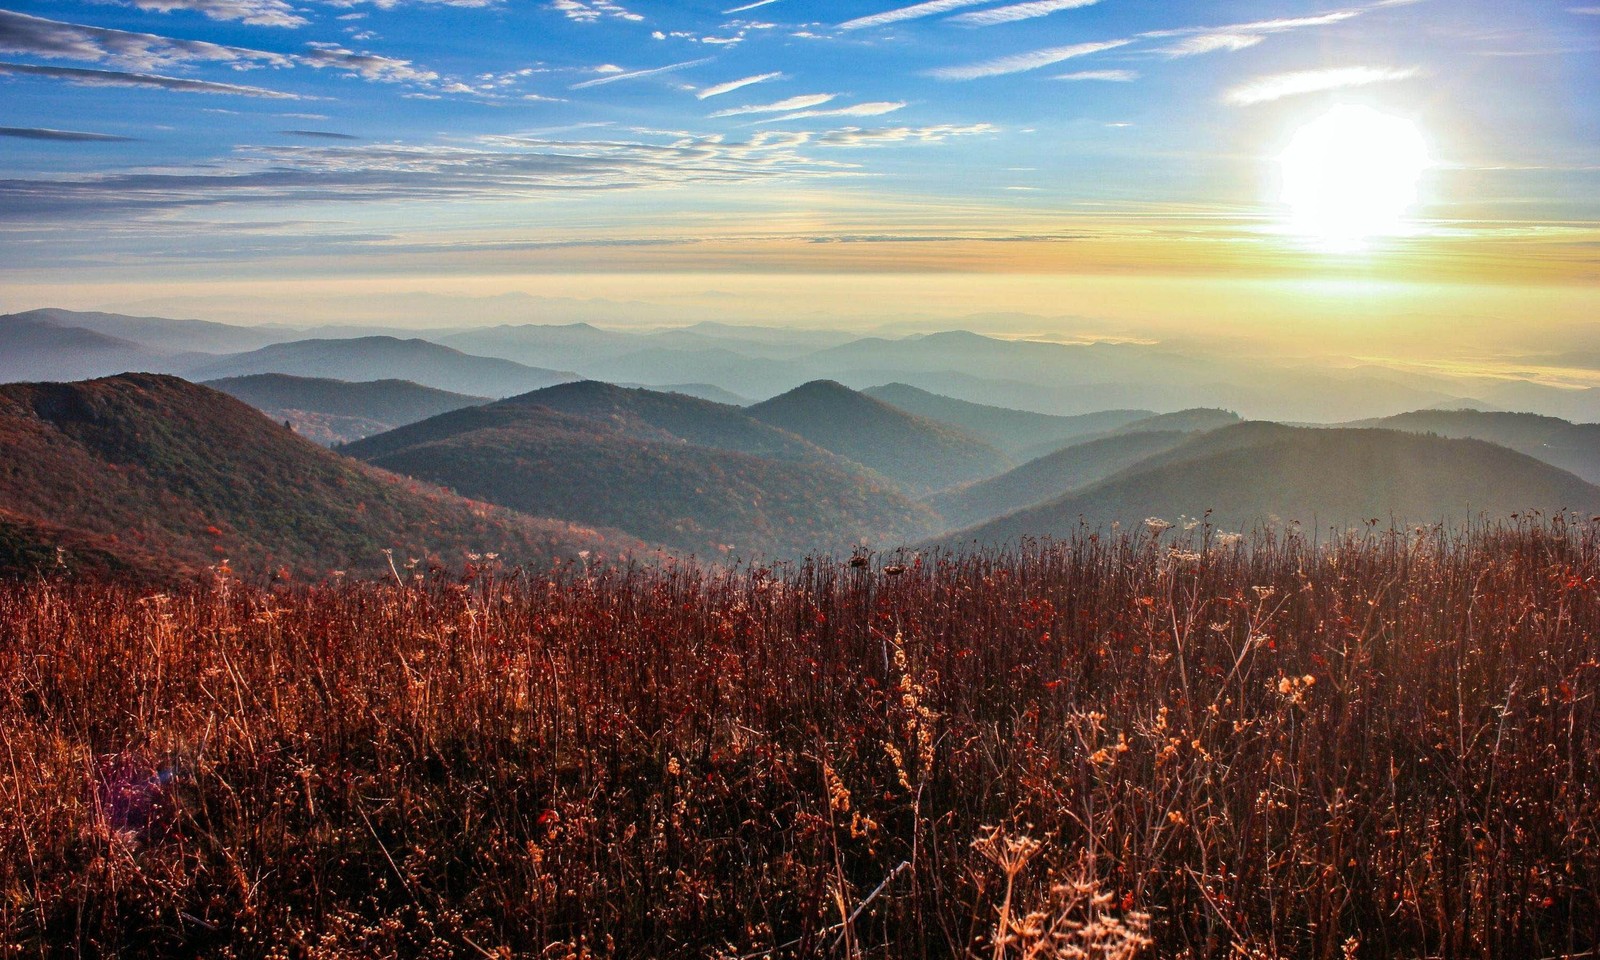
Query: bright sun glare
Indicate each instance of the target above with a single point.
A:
(1351, 175)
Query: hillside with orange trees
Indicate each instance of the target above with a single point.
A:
(171, 477)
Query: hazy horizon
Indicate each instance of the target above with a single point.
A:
(1105, 168)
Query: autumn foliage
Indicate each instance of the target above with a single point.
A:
(1159, 742)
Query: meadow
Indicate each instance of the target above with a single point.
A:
(1149, 742)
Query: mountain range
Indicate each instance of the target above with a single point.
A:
(1241, 476)
(693, 475)
(338, 411)
(151, 475)
(726, 361)
(161, 477)
(922, 454)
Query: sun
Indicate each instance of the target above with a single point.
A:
(1351, 175)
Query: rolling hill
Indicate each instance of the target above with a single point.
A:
(1196, 420)
(1259, 472)
(1574, 447)
(338, 411)
(922, 454)
(151, 469)
(384, 358)
(686, 473)
(1050, 476)
(1009, 431)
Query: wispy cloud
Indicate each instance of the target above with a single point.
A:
(145, 52)
(1019, 11)
(637, 74)
(1114, 76)
(588, 11)
(116, 78)
(69, 136)
(1275, 25)
(1022, 62)
(929, 9)
(1279, 85)
(368, 65)
(260, 13)
(793, 103)
(876, 108)
(1196, 41)
(732, 85)
(500, 169)
(37, 36)
(884, 136)
(317, 134)
(1212, 43)
(748, 6)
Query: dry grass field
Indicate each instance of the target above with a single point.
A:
(1158, 743)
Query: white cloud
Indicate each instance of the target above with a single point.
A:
(1020, 11)
(1021, 62)
(1197, 41)
(1279, 85)
(1114, 76)
(732, 85)
(858, 137)
(876, 108)
(116, 78)
(636, 74)
(1213, 42)
(367, 65)
(21, 33)
(588, 11)
(928, 9)
(793, 103)
(261, 13)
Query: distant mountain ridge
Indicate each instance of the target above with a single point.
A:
(1254, 473)
(386, 358)
(687, 473)
(922, 454)
(1010, 431)
(1050, 476)
(338, 411)
(1571, 446)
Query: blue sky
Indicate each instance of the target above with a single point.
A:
(168, 140)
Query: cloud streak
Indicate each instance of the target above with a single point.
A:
(639, 74)
(1023, 62)
(1112, 76)
(782, 106)
(851, 137)
(732, 85)
(500, 169)
(916, 11)
(116, 78)
(37, 36)
(259, 13)
(875, 108)
(1019, 11)
(1280, 85)
(68, 136)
